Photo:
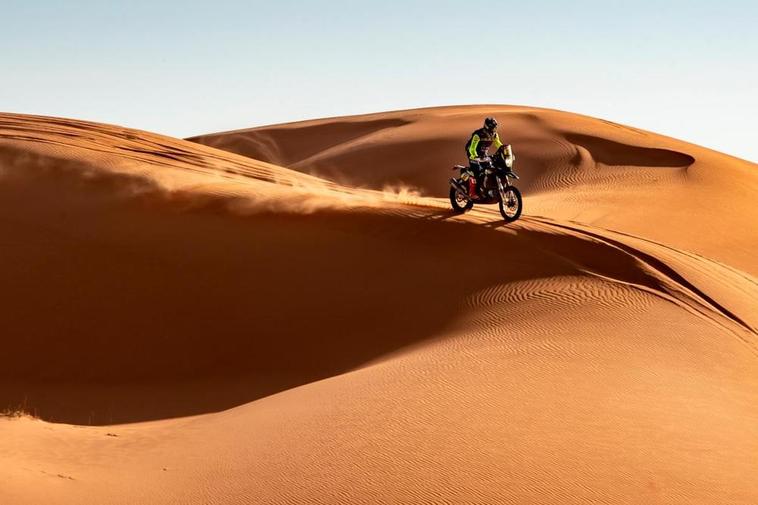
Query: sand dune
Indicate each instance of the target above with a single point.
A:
(573, 167)
(217, 329)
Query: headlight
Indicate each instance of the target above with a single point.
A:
(509, 161)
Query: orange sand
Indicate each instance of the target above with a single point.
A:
(194, 326)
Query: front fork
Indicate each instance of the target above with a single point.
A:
(502, 187)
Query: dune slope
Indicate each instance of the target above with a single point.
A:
(216, 329)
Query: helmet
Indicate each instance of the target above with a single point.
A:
(490, 124)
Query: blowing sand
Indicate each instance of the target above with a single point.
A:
(291, 314)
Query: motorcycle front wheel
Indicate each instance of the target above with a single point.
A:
(459, 203)
(510, 204)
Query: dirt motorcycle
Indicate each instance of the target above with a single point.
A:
(492, 186)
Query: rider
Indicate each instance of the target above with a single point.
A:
(477, 147)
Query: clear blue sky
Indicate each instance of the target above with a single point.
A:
(683, 68)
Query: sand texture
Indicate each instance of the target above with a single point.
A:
(292, 314)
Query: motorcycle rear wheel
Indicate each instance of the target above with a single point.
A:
(459, 204)
(510, 204)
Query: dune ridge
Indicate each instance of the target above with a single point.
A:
(192, 325)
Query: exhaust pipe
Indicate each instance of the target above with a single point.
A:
(458, 189)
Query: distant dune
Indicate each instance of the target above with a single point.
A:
(291, 314)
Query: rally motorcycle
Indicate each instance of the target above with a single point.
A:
(492, 186)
